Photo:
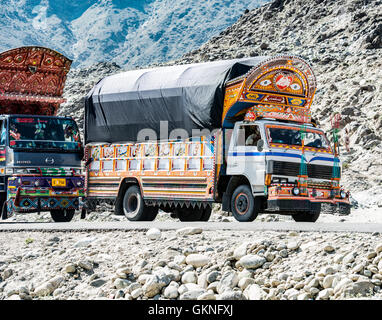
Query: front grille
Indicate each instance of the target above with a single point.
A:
(293, 169)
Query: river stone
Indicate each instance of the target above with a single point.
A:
(380, 266)
(7, 273)
(121, 283)
(229, 280)
(136, 293)
(180, 259)
(70, 268)
(245, 282)
(171, 292)
(188, 287)
(189, 277)
(378, 248)
(188, 231)
(192, 294)
(207, 296)
(325, 294)
(153, 234)
(197, 260)
(329, 248)
(349, 258)
(231, 295)
(97, 283)
(339, 287)
(293, 245)
(87, 265)
(44, 289)
(252, 261)
(254, 292)
(152, 286)
(363, 288)
(84, 242)
(328, 281)
(240, 251)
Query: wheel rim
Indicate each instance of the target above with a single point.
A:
(241, 203)
(131, 205)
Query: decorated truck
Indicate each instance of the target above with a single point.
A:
(236, 132)
(40, 153)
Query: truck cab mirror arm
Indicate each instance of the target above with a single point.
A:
(87, 163)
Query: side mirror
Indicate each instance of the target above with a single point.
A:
(260, 145)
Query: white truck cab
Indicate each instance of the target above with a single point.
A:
(270, 155)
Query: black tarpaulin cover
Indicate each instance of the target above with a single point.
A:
(186, 96)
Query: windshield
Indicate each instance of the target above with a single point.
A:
(291, 136)
(43, 133)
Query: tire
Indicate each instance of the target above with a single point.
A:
(306, 216)
(65, 215)
(189, 214)
(3, 206)
(206, 213)
(4, 210)
(244, 206)
(343, 210)
(134, 207)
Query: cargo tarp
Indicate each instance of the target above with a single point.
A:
(185, 97)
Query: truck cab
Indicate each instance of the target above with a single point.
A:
(40, 165)
(271, 155)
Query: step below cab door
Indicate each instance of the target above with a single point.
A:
(244, 158)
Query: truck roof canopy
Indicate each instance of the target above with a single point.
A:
(187, 97)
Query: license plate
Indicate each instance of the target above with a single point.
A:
(58, 182)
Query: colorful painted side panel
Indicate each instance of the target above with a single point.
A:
(182, 170)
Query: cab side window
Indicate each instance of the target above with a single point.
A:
(248, 135)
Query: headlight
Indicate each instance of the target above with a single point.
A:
(296, 191)
(37, 183)
(343, 194)
(22, 171)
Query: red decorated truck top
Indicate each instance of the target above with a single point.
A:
(32, 80)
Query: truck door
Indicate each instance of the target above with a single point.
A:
(244, 158)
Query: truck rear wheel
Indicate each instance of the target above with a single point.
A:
(306, 216)
(3, 206)
(65, 215)
(134, 207)
(244, 206)
(206, 213)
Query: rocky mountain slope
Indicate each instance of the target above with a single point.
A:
(341, 40)
(91, 31)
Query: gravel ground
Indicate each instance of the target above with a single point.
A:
(190, 263)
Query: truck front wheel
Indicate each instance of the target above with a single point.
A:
(309, 216)
(62, 215)
(134, 207)
(244, 206)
